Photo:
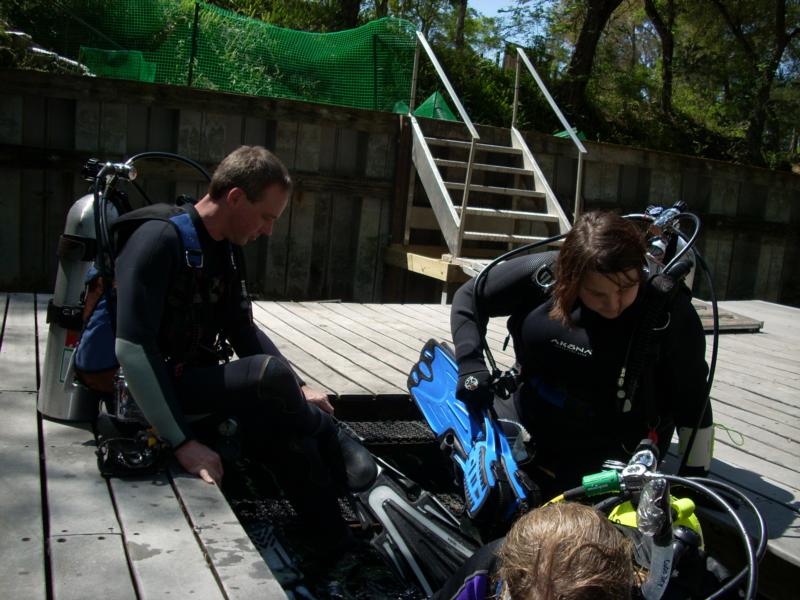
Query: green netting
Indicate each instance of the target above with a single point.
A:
(187, 43)
(122, 64)
(435, 107)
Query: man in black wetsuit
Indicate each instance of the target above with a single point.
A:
(576, 347)
(176, 312)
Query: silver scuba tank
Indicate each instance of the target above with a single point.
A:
(60, 397)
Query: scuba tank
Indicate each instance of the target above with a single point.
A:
(59, 396)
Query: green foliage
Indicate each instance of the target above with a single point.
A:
(723, 55)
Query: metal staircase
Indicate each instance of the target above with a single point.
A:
(483, 198)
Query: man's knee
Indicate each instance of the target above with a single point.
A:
(277, 380)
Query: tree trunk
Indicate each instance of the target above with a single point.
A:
(664, 30)
(461, 17)
(580, 65)
(381, 8)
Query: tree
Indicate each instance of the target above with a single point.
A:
(461, 17)
(664, 27)
(763, 44)
(597, 15)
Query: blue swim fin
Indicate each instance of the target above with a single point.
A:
(478, 446)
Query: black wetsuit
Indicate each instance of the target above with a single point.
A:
(569, 376)
(172, 365)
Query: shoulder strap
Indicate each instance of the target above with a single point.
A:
(191, 242)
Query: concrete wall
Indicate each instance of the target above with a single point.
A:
(351, 168)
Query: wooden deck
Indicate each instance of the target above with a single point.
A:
(361, 353)
(66, 532)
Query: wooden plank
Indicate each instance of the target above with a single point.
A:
(430, 266)
(769, 272)
(275, 273)
(22, 551)
(10, 228)
(164, 554)
(163, 133)
(299, 244)
(87, 566)
(346, 151)
(380, 158)
(767, 372)
(286, 136)
(189, 132)
(11, 119)
(86, 545)
(757, 355)
(784, 395)
(60, 124)
(255, 132)
(87, 552)
(496, 326)
(331, 381)
(435, 327)
(386, 325)
(233, 128)
(393, 367)
(136, 134)
(135, 92)
(31, 227)
(18, 352)
(367, 249)
(87, 125)
(79, 502)
(308, 147)
(214, 136)
(406, 348)
(241, 570)
(34, 118)
(728, 401)
(59, 199)
(385, 234)
(338, 355)
(318, 268)
(344, 212)
(781, 316)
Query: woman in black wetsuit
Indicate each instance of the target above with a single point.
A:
(582, 396)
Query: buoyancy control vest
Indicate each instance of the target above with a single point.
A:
(188, 311)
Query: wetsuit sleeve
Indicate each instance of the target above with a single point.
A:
(144, 268)
(684, 374)
(508, 287)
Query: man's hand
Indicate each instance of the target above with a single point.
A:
(474, 389)
(200, 460)
(318, 398)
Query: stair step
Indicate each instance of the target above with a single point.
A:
(490, 189)
(463, 144)
(459, 164)
(502, 237)
(503, 213)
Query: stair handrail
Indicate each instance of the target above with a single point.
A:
(581, 149)
(423, 42)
